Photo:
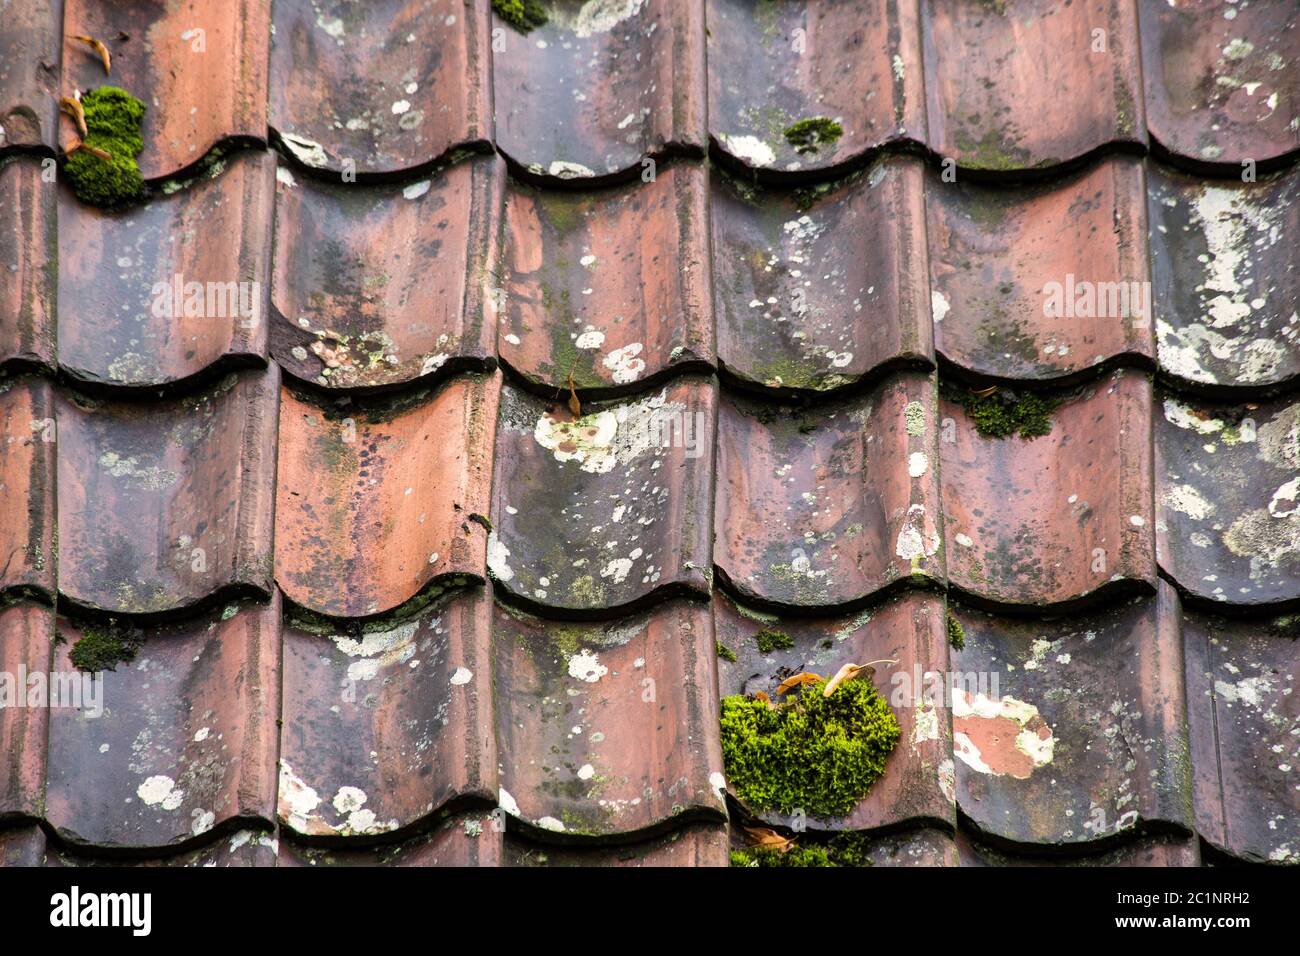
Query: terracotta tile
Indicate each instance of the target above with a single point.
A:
(377, 285)
(995, 72)
(30, 54)
(824, 506)
(467, 840)
(27, 469)
(374, 503)
(186, 740)
(200, 87)
(28, 251)
(598, 88)
(1151, 851)
(910, 629)
(162, 292)
(385, 726)
(1245, 729)
(1228, 501)
(165, 504)
(1222, 83)
(608, 728)
(22, 846)
(1041, 281)
(694, 846)
(1226, 281)
(812, 296)
(241, 848)
(26, 698)
(391, 85)
(613, 287)
(926, 847)
(1050, 520)
(771, 65)
(1070, 731)
(596, 514)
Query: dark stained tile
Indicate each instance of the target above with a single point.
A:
(166, 503)
(826, 505)
(30, 53)
(186, 739)
(1226, 277)
(812, 294)
(28, 262)
(375, 503)
(1069, 731)
(592, 514)
(601, 86)
(1148, 851)
(391, 85)
(611, 287)
(699, 845)
(240, 848)
(995, 72)
(385, 726)
(27, 486)
(161, 292)
(199, 67)
(1228, 502)
(608, 728)
(926, 847)
(1041, 281)
(917, 784)
(473, 839)
(1222, 79)
(376, 285)
(1051, 519)
(1245, 729)
(26, 639)
(773, 64)
(22, 846)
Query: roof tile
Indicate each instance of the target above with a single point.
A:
(30, 56)
(22, 846)
(200, 68)
(167, 503)
(26, 636)
(27, 471)
(813, 294)
(610, 287)
(467, 840)
(822, 507)
(699, 845)
(393, 85)
(158, 293)
(375, 503)
(28, 259)
(380, 285)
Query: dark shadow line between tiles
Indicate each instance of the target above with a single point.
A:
(455, 366)
(230, 592)
(1143, 830)
(12, 595)
(687, 368)
(1215, 855)
(1228, 394)
(429, 168)
(953, 372)
(646, 603)
(109, 855)
(637, 847)
(26, 151)
(1207, 169)
(737, 383)
(540, 837)
(663, 155)
(1097, 600)
(742, 816)
(422, 827)
(231, 363)
(920, 583)
(441, 588)
(1260, 611)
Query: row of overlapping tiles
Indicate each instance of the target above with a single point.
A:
(353, 286)
(161, 505)
(390, 86)
(1150, 720)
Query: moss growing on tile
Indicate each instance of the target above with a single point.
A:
(103, 648)
(815, 753)
(848, 849)
(523, 15)
(811, 134)
(726, 653)
(113, 118)
(769, 639)
(956, 633)
(1003, 413)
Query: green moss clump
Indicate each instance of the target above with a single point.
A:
(726, 653)
(815, 753)
(769, 640)
(845, 850)
(956, 633)
(1002, 413)
(810, 135)
(113, 118)
(103, 648)
(523, 15)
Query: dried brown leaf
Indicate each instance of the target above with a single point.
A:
(73, 108)
(98, 47)
(769, 839)
(852, 672)
(981, 392)
(797, 680)
(575, 406)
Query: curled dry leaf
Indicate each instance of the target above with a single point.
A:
(73, 108)
(92, 150)
(769, 839)
(981, 392)
(575, 406)
(853, 672)
(98, 47)
(797, 680)
(762, 695)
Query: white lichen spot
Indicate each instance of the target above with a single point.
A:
(590, 339)
(417, 189)
(306, 151)
(939, 305)
(161, 791)
(586, 666)
(624, 363)
(749, 148)
(917, 464)
(498, 558)
(462, 676)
